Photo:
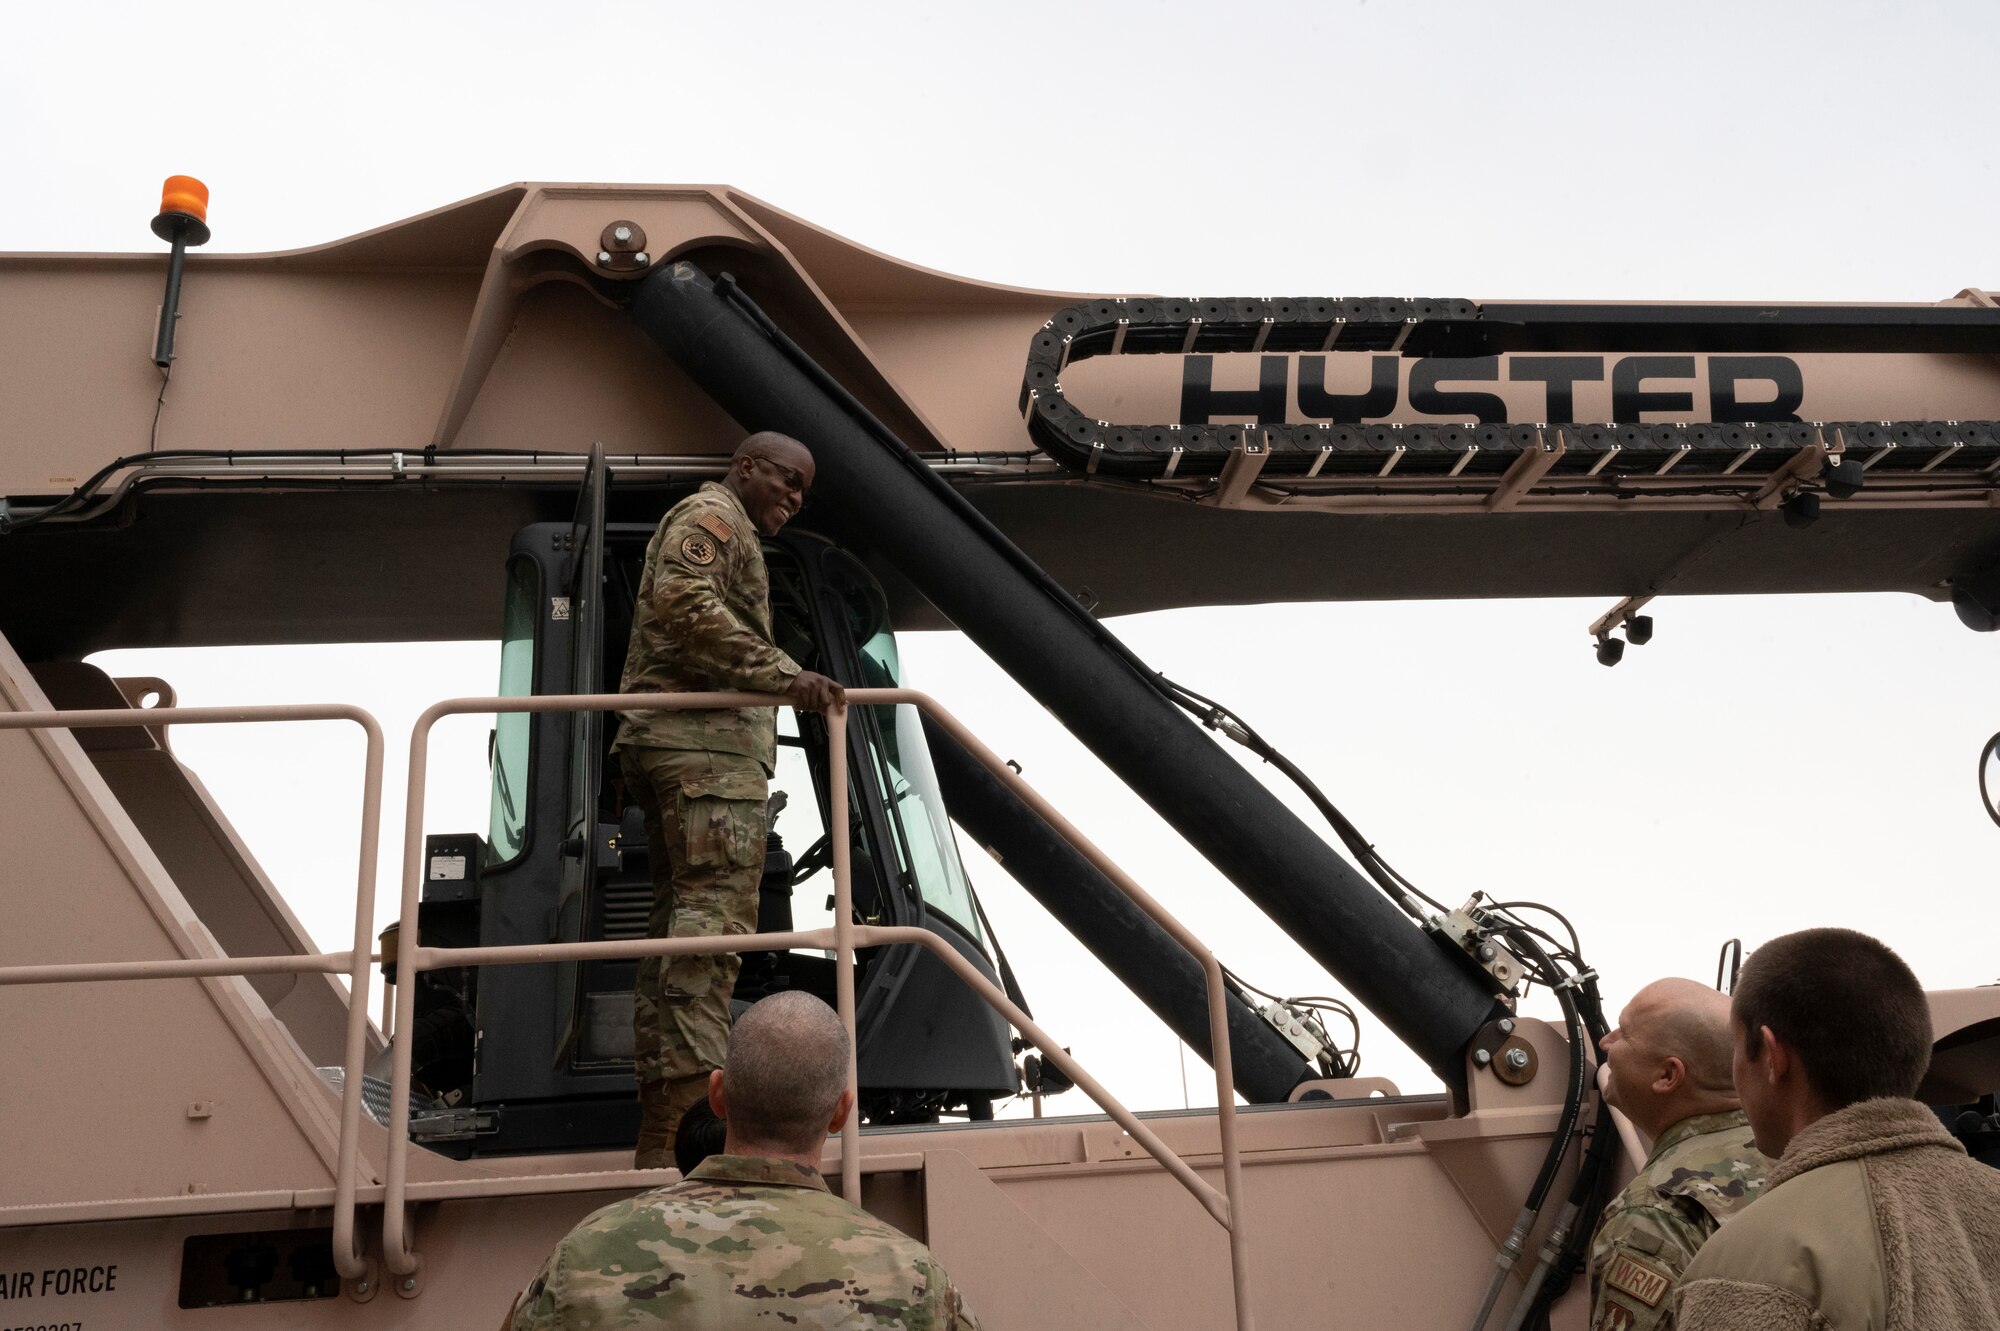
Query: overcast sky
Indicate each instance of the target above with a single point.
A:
(1763, 765)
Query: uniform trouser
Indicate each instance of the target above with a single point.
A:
(705, 828)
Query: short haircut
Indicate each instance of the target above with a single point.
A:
(1699, 1037)
(785, 1070)
(1850, 1007)
(700, 1135)
(766, 442)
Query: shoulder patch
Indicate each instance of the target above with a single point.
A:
(698, 549)
(1644, 1240)
(717, 526)
(1642, 1280)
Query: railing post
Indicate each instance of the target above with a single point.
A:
(348, 1258)
(398, 1254)
(1225, 1129)
(843, 930)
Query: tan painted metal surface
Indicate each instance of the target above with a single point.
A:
(84, 881)
(142, 1115)
(1061, 1204)
(486, 325)
(1032, 1158)
(491, 324)
(403, 1262)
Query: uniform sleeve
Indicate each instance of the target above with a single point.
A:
(1636, 1258)
(952, 1314)
(1737, 1305)
(705, 635)
(536, 1307)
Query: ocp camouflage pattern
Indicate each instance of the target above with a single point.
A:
(705, 829)
(1701, 1171)
(743, 1243)
(703, 622)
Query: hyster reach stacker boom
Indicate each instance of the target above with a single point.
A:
(465, 425)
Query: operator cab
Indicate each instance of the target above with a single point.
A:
(539, 1057)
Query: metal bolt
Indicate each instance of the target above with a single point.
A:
(1482, 1057)
(621, 234)
(1517, 1059)
(604, 256)
(1487, 952)
(642, 257)
(410, 1282)
(1506, 1025)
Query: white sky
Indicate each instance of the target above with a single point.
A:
(1765, 764)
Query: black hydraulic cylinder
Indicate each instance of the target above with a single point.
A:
(1430, 1002)
(1263, 1064)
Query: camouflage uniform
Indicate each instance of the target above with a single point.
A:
(702, 622)
(743, 1242)
(1702, 1170)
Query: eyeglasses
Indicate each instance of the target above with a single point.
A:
(794, 480)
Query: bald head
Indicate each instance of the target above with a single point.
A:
(784, 1074)
(1686, 1020)
(772, 474)
(777, 447)
(1669, 1059)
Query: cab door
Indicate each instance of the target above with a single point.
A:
(586, 843)
(927, 1044)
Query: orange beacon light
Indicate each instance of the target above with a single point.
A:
(183, 221)
(183, 203)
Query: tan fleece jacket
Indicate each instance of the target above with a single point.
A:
(1874, 1218)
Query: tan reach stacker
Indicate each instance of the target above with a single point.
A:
(465, 424)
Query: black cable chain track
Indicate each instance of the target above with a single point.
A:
(1748, 451)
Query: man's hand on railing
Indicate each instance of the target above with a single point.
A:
(814, 692)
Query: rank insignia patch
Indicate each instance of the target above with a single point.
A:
(698, 549)
(1631, 1276)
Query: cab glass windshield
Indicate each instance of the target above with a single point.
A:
(909, 784)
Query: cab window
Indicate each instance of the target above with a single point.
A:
(507, 825)
(924, 843)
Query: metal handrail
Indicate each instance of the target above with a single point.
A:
(843, 938)
(348, 1257)
(402, 1259)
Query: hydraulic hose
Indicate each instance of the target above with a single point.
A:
(1565, 1240)
(1578, 1069)
(1524, 1224)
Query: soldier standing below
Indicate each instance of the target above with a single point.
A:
(752, 1238)
(703, 623)
(1668, 1072)
(1875, 1217)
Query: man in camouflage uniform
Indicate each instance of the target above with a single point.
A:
(703, 623)
(1668, 1070)
(752, 1239)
